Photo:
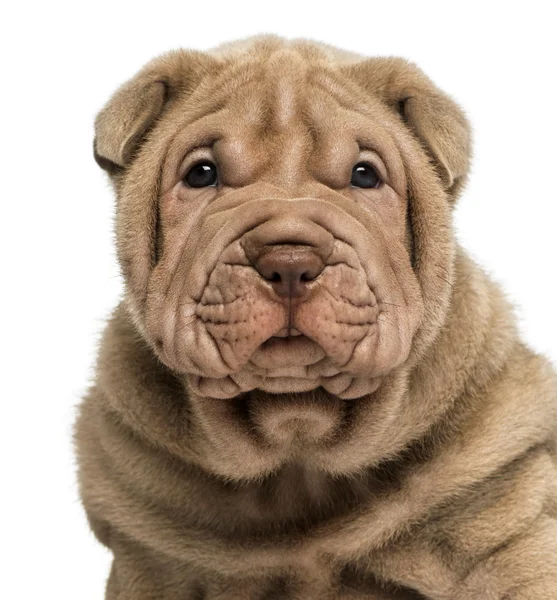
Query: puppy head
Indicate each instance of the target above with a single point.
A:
(283, 227)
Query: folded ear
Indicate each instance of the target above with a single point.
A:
(131, 112)
(432, 116)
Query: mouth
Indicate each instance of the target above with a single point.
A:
(290, 352)
(267, 342)
(287, 332)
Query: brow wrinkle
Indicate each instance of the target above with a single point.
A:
(345, 101)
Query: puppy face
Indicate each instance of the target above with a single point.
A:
(288, 268)
(281, 215)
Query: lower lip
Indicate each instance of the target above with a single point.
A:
(278, 352)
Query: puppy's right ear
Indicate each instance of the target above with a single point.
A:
(134, 108)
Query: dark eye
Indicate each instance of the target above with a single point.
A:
(365, 175)
(203, 174)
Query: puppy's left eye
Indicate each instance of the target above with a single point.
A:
(365, 175)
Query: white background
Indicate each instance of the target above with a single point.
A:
(59, 64)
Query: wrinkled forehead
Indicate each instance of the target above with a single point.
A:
(283, 110)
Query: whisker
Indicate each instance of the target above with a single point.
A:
(445, 280)
(185, 324)
(385, 320)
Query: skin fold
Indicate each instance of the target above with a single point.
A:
(308, 390)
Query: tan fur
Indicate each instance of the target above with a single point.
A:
(420, 462)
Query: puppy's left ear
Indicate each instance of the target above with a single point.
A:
(434, 118)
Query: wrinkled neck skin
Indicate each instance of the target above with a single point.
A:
(429, 405)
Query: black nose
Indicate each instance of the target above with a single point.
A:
(289, 268)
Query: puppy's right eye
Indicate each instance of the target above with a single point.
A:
(202, 174)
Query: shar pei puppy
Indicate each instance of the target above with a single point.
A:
(309, 390)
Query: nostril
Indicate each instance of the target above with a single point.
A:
(288, 269)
